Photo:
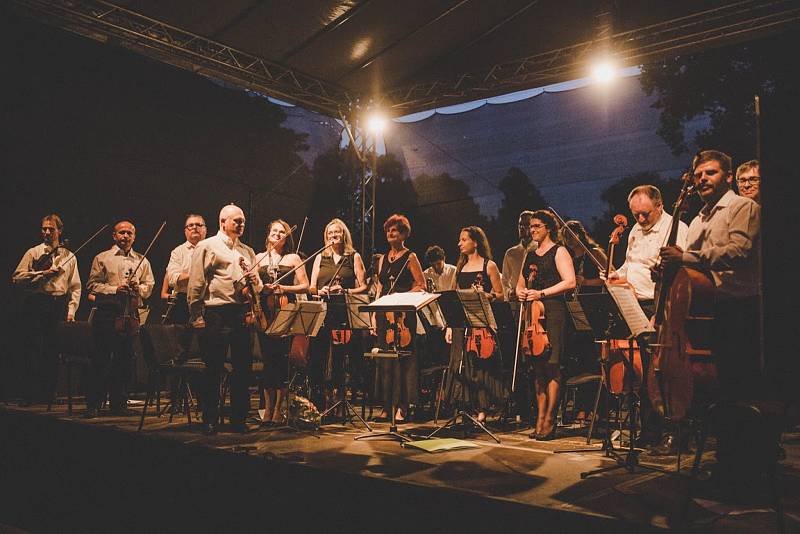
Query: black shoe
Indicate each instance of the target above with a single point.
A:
(209, 429)
(667, 447)
(533, 435)
(238, 428)
(550, 436)
(90, 413)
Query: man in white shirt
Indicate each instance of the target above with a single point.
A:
(440, 273)
(514, 256)
(120, 279)
(724, 240)
(180, 259)
(52, 293)
(645, 240)
(217, 307)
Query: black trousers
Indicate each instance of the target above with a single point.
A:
(225, 329)
(39, 370)
(111, 358)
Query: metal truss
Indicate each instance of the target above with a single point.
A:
(734, 22)
(365, 148)
(104, 21)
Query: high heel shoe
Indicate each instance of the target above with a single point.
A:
(549, 436)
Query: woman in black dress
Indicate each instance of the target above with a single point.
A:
(399, 271)
(338, 269)
(277, 260)
(547, 274)
(478, 381)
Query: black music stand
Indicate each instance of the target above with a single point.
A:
(410, 302)
(344, 314)
(466, 308)
(608, 321)
(303, 317)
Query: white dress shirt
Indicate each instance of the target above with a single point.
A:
(512, 267)
(215, 275)
(66, 282)
(724, 238)
(444, 281)
(643, 251)
(180, 259)
(111, 269)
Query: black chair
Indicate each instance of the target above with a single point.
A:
(165, 357)
(74, 349)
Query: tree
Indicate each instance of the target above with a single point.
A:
(720, 84)
(519, 194)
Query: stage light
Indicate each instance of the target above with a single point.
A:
(604, 71)
(376, 123)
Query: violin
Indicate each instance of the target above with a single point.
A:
(534, 339)
(273, 301)
(397, 332)
(45, 261)
(127, 322)
(621, 223)
(255, 317)
(340, 336)
(479, 340)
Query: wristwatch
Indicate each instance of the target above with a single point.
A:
(542, 294)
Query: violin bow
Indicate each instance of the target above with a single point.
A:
(147, 250)
(269, 248)
(301, 264)
(72, 254)
(574, 236)
(302, 231)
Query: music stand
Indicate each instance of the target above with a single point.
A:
(344, 314)
(616, 315)
(410, 302)
(303, 317)
(466, 308)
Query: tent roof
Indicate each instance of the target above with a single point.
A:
(408, 55)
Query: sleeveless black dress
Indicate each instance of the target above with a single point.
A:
(476, 381)
(555, 308)
(274, 350)
(396, 381)
(327, 360)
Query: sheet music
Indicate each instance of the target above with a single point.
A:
(298, 318)
(412, 301)
(629, 308)
(477, 309)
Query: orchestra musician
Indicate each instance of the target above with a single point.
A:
(724, 240)
(547, 275)
(218, 306)
(119, 289)
(337, 270)
(581, 348)
(647, 236)
(439, 273)
(514, 256)
(399, 270)
(52, 287)
(476, 380)
(276, 261)
(748, 180)
(180, 259)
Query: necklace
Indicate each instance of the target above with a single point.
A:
(394, 255)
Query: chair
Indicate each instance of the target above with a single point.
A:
(162, 351)
(74, 348)
(569, 397)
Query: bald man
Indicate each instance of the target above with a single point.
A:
(113, 282)
(217, 308)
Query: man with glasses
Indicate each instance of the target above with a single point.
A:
(645, 240)
(180, 259)
(748, 180)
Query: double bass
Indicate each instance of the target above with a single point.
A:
(682, 372)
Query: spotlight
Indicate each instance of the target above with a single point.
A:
(376, 123)
(604, 71)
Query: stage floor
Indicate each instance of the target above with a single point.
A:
(518, 478)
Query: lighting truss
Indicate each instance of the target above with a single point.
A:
(104, 22)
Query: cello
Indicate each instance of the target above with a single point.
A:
(682, 372)
(620, 354)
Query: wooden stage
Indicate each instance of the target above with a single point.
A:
(67, 474)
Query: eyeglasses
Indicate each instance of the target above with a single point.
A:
(748, 180)
(645, 214)
(195, 225)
